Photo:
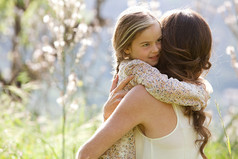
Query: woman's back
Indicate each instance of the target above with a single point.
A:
(156, 120)
(178, 142)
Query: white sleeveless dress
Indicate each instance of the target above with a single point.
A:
(179, 144)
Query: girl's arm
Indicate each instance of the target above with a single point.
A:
(169, 90)
(115, 96)
(130, 112)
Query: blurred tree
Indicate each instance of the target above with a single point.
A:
(46, 41)
(34, 46)
(70, 31)
(229, 12)
(14, 29)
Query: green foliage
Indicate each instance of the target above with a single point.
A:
(223, 126)
(6, 11)
(23, 77)
(223, 145)
(26, 136)
(218, 150)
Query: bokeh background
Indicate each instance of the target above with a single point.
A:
(56, 70)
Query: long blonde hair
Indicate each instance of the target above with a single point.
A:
(130, 23)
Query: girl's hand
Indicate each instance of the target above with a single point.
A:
(116, 95)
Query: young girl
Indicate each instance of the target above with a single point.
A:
(137, 42)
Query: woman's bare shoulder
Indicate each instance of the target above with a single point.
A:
(140, 104)
(142, 96)
(144, 101)
(159, 118)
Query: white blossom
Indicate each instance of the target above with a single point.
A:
(154, 4)
(48, 49)
(50, 58)
(56, 29)
(56, 44)
(131, 3)
(230, 19)
(71, 87)
(83, 28)
(86, 42)
(230, 50)
(227, 4)
(61, 100)
(54, 1)
(233, 110)
(61, 3)
(77, 4)
(72, 77)
(74, 106)
(61, 29)
(62, 43)
(37, 55)
(221, 9)
(72, 83)
(236, 65)
(46, 18)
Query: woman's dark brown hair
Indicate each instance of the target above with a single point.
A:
(185, 54)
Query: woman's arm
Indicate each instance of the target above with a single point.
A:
(130, 112)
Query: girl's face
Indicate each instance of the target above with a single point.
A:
(146, 45)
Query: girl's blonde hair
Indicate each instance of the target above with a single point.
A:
(130, 23)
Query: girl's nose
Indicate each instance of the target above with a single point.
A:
(156, 47)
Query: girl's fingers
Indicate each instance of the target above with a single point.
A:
(120, 94)
(114, 83)
(123, 83)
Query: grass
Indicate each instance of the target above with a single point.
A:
(25, 136)
(33, 140)
(228, 144)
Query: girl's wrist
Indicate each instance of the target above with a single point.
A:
(105, 116)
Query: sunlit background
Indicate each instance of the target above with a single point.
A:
(56, 70)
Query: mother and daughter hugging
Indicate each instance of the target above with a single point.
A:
(158, 95)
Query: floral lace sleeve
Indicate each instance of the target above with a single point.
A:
(169, 90)
(124, 148)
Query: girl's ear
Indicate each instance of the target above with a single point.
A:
(127, 51)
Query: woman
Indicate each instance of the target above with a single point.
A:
(163, 130)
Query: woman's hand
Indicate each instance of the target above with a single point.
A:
(116, 95)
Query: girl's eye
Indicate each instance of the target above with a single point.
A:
(146, 44)
(159, 40)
